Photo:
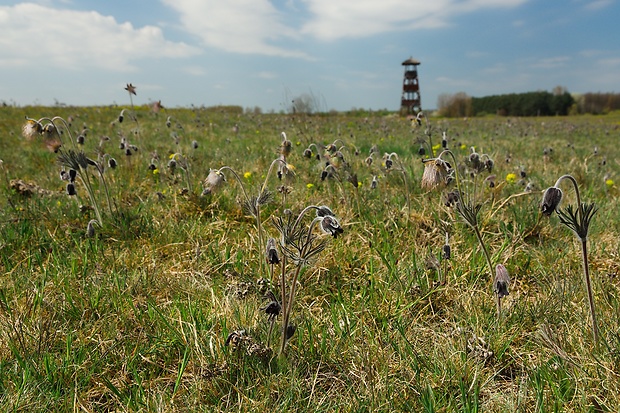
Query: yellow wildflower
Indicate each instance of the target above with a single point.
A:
(309, 185)
(156, 171)
(609, 183)
(511, 178)
(247, 175)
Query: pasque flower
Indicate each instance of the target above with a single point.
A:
(577, 220)
(330, 225)
(551, 200)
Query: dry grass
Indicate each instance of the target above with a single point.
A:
(136, 318)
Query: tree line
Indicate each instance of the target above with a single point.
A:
(541, 103)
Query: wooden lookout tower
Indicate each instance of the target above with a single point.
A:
(410, 101)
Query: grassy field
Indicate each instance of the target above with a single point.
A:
(161, 305)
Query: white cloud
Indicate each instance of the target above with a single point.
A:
(259, 27)
(266, 75)
(194, 70)
(238, 26)
(609, 63)
(551, 62)
(598, 4)
(337, 19)
(38, 35)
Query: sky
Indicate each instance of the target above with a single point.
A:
(344, 54)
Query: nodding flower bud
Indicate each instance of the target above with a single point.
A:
(374, 183)
(388, 163)
(290, 331)
(446, 252)
(272, 309)
(72, 175)
(331, 226)
(272, 252)
(324, 211)
(112, 163)
(421, 151)
(502, 280)
(128, 152)
(64, 175)
(452, 197)
(474, 158)
(489, 165)
(71, 189)
(90, 228)
(49, 129)
(195, 144)
(551, 200)
(307, 153)
(80, 139)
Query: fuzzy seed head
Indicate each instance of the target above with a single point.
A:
(31, 129)
(213, 181)
(436, 172)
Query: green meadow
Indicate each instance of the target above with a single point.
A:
(149, 289)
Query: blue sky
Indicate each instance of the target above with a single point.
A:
(347, 54)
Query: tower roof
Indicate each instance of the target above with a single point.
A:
(411, 61)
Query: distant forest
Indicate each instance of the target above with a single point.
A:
(542, 103)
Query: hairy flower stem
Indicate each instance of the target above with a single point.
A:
(65, 125)
(91, 194)
(407, 193)
(584, 254)
(289, 304)
(586, 277)
(287, 309)
(107, 191)
(283, 282)
(574, 182)
(257, 215)
(484, 249)
(499, 307)
(259, 228)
